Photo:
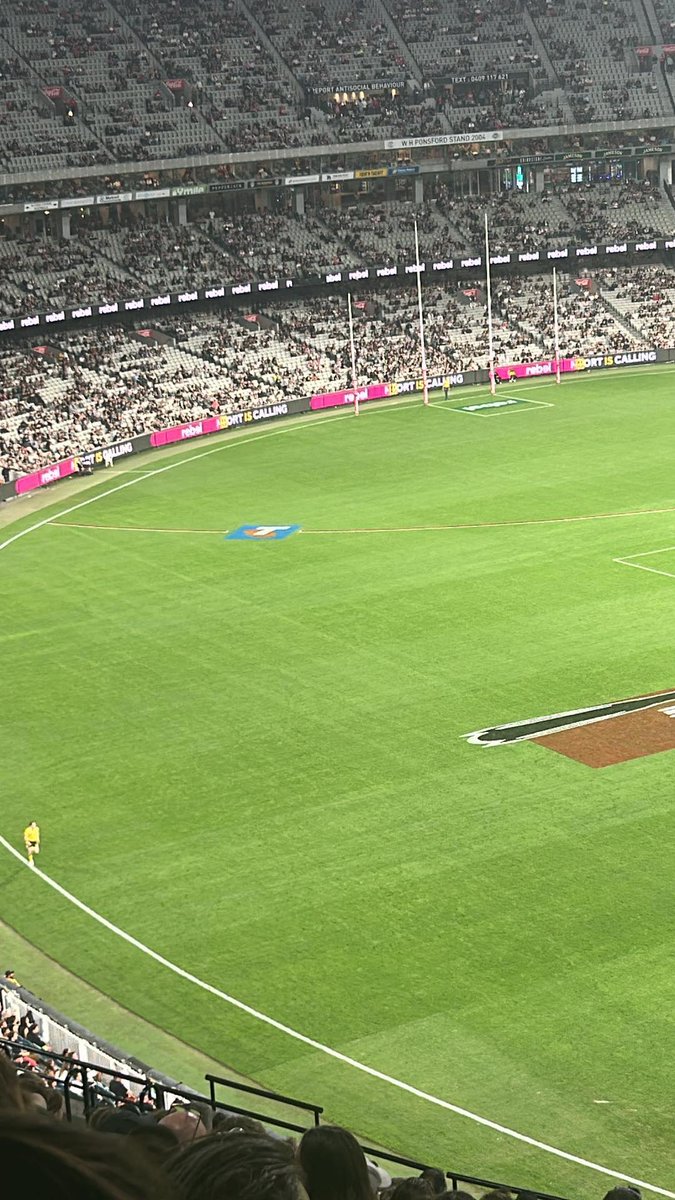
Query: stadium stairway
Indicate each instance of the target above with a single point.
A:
(557, 92)
(415, 69)
(272, 50)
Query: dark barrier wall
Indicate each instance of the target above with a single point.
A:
(574, 256)
(93, 460)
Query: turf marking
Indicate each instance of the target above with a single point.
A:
(627, 561)
(640, 512)
(320, 1046)
(131, 528)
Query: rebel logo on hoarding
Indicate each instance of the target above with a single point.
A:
(599, 736)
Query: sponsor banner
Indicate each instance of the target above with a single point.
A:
(192, 189)
(296, 180)
(115, 198)
(153, 194)
(267, 412)
(107, 455)
(434, 382)
(374, 391)
(336, 176)
(238, 185)
(533, 369)
(180, 433)
(40, 205)
(372, 173)
(53, 92)
(445, 139)
(630, 358)
(405, 169)
(77, 202)
(38, 479)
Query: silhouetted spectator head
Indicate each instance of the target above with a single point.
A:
(435, 1178)
(11, 1094)
(223, 1122)
(236, 1166)
(334, 1165)
(67, 1162)
(411, 1189)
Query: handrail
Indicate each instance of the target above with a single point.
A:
(455, 1177)
(212, 1080)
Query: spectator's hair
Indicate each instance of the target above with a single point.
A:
(11, 1095)
(435, 1178)
(223, 1122)
(155, 1142)
(236, 1166)
(622, 1193)
(413, 1188)
(334, 1165)
(68, 1162)
(97, 1115)
(34, 1090)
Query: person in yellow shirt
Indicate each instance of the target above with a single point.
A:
(31, 839)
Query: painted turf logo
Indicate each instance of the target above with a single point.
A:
(261, 533)
(598, 736)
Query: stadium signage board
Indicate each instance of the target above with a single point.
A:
(105, 456)
(116, 198)
(445, 139)
(363, 85)
(77, 202)
(191, 189)
(223, 291)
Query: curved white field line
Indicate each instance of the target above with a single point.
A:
(214, 991)
(320, 1046)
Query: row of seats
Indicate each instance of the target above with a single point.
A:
(110, 263)
(171, 78)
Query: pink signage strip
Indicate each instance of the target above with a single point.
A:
(60, 470)
(374, 391)
(534, 369)
(180, 433)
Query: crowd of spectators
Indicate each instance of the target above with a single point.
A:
(105, 385)
(120, 1145)
(115, 1141)
(123, 82)
(103, 263)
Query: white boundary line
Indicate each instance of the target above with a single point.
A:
(208, 987)
(641, 567)
(627, 561)
(320, 1046)
(445, 406)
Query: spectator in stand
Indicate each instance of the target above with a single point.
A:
(334, 1164)
(237, 1166)
(436, 1180)
(66, 1162)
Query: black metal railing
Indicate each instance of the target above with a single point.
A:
(88, 1092)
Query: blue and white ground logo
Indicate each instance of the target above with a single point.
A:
(261, 533)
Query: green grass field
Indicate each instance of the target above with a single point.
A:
(250, 757)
